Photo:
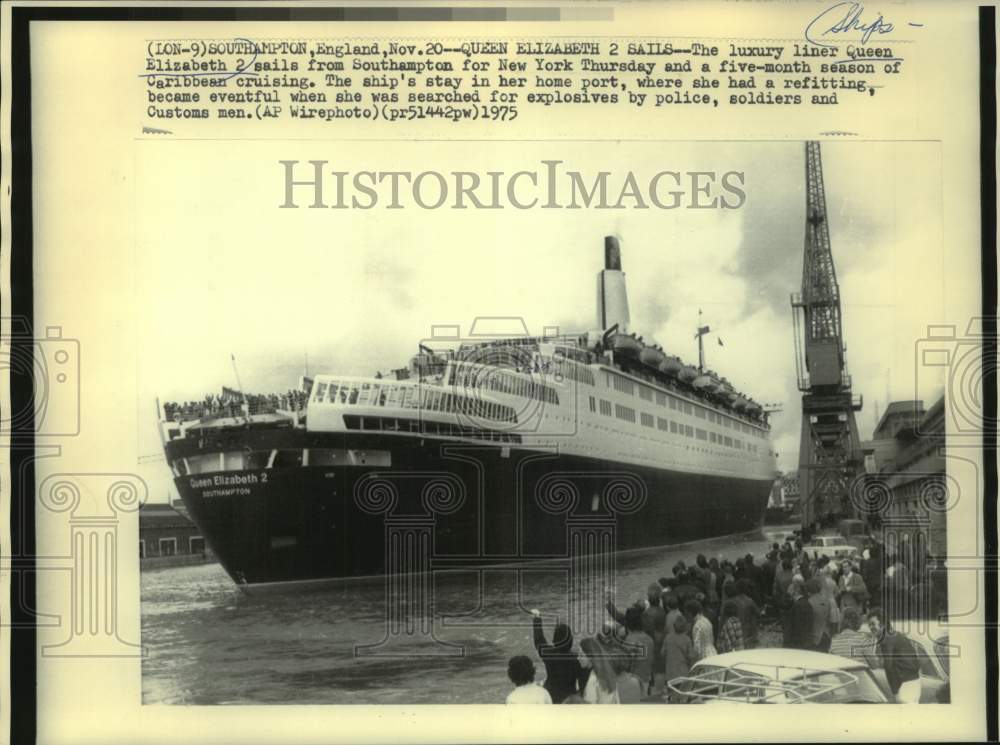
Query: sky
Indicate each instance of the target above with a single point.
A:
(223, 271)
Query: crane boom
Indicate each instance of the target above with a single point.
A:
(829, 448)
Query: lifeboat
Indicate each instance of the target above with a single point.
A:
(625, 344)
(424, 361)
(687, 373)
(651, 356)
(755, 409)
(707, 382)
(671, 365)
(740, 403)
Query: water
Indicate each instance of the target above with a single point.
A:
(208, 643)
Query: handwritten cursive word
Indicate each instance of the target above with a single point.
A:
(845, 18)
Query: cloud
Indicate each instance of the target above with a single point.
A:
(772, 245)
(769, 257)
(654, 309)
(384, 268)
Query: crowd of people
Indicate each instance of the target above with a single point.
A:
(791, 599)
(234, 404)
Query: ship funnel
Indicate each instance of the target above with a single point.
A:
(612, 300)
(612, 253)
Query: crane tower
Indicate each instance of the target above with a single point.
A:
(829, 450)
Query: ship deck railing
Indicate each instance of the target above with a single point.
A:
(281, 405)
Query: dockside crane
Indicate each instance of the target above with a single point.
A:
(829, 449)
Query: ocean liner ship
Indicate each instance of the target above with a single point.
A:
(495, 443)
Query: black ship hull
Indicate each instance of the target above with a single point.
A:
(467, 504)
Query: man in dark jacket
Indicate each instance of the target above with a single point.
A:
(779, 588)
(671, 605)
(765, 581)
(899, 658)
(654, 623)
(678, 653)
(739, 593)
(705, 577)
(751, 572)
(872, 571)
(562, 667)
(685, 589)
(798, 623)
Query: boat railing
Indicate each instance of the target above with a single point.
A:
(429, 397)
(235, 405)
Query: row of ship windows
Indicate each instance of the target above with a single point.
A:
(623, 385)
(673, 451)
(627, 414)
(446, 429)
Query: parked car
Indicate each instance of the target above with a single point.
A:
(855, 532)
(778, 675)
(834, 546)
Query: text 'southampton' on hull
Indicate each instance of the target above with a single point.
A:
(499, 441)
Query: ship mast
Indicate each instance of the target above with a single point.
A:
(702, 330)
